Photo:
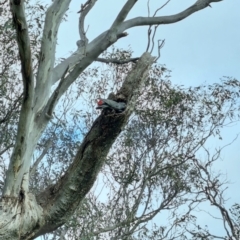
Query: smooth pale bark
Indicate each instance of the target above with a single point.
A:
(21, 215)
(57, 203)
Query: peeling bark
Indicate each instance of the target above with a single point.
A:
(78, 180)
(22, 217)
(58, 202)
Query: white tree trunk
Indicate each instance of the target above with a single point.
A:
(21, 215)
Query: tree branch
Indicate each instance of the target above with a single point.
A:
(16, 167)
(146, 21)
(77, 56)
(35, 165)
(16, 104)
(123, 13)
(54, 98)
(53, 19)
(6, 149)
(20, 23)
(83, 13)
(78, 180)
(155, 28)
(80, 60)
(107, 38)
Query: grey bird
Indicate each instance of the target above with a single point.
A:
(111, 105)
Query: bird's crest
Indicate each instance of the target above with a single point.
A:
(100, 102)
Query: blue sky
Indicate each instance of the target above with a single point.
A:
(203, 47)
(200, 49)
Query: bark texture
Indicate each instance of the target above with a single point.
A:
(54, 206)
(21, 215)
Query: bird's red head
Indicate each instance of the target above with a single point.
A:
(100, 102)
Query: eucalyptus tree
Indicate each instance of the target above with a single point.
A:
(32, 130)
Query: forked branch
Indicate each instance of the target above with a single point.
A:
(85, 8)
(92, 153)
(148, 21)
(123, 13)
(20, 23)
